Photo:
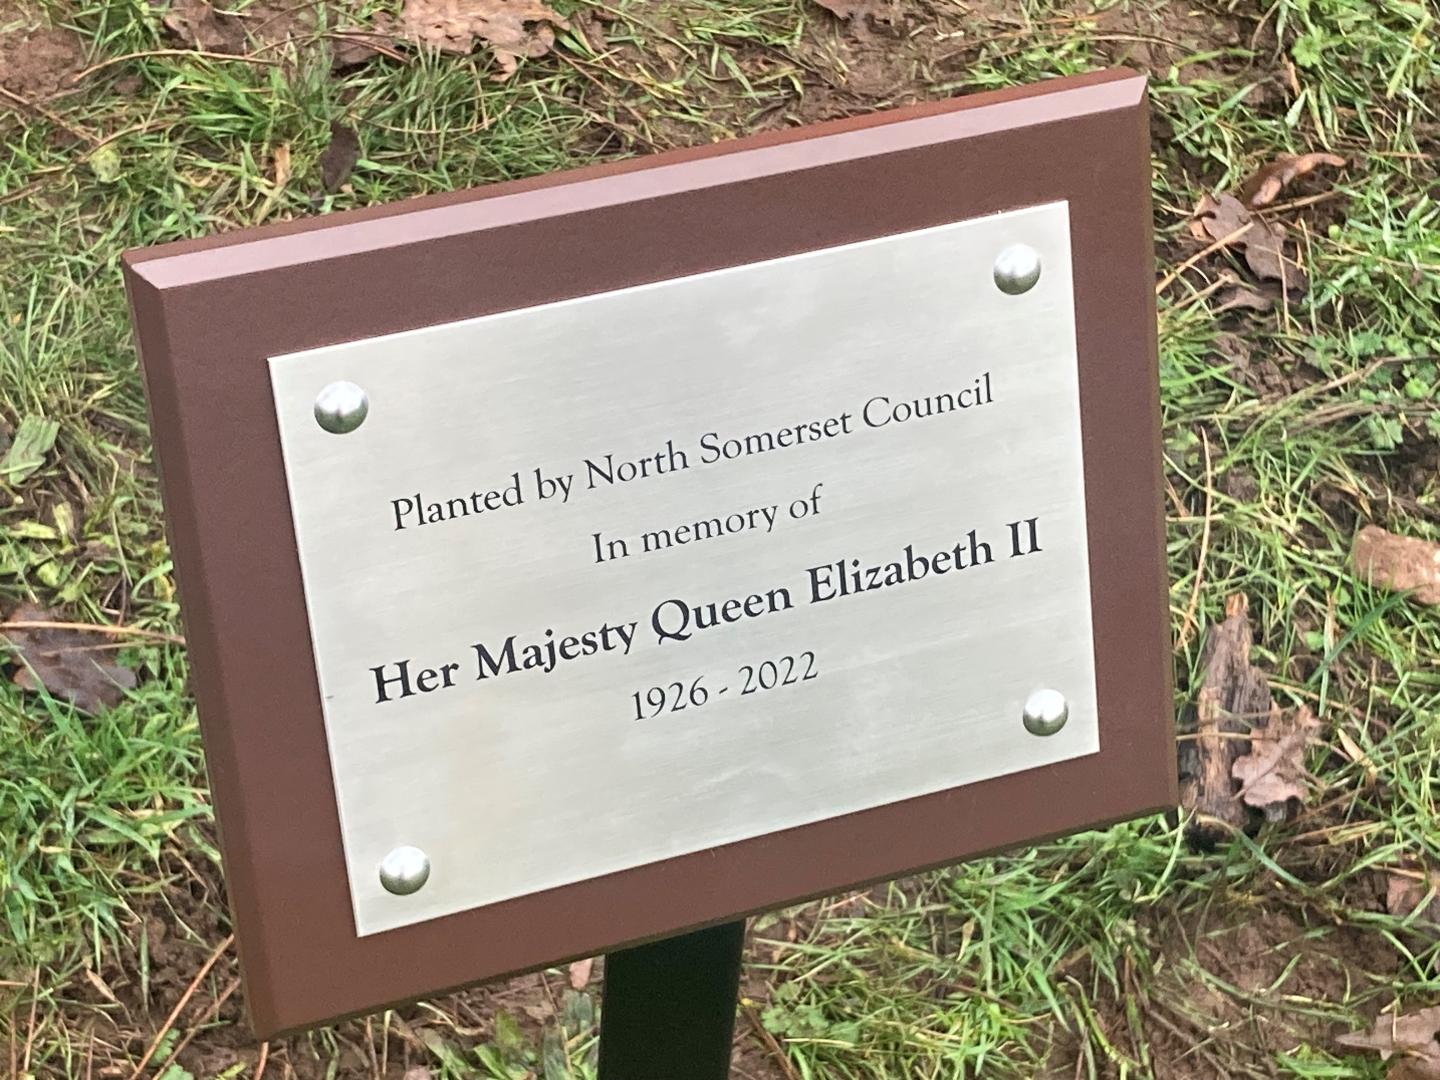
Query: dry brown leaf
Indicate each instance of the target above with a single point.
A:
(1265, 186)
(1401, 563)
(339, 156)
(580, 973)
(1265, 255)
(1413, 1040)
(196, 23)
(65, 662)
(1406, 891)
(237, 30)
(1273, 773)
(511, 28)
(1219, 216)
(1225, 218)
(1242, 297)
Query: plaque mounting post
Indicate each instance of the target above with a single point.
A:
(669, 1007)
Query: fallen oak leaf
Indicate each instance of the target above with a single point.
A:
(1272, 775)
(63, 662)
(1414, 1038)
(1265, 255)
(1399, 563)
(1265, 186)
(1225, 220)
(198, 24)
(1219, 216)
(511, 28)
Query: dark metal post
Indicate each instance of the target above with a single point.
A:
(669, 1007)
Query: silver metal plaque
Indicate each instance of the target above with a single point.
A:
(612, 580)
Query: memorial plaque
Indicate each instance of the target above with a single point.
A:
(583, 560)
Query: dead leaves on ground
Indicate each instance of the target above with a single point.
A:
(1399, 563)
(1412, 1040)
(1272, 775)
(204, 26)
(1243, 754)
(73, 665)
(197, 23)
(1228, 222)
(511, 29)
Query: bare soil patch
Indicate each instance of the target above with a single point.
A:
(1226, 989)
(36, 59)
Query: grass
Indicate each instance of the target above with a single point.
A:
(1111, 954)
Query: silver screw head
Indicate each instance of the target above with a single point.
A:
(341, 407)
(1017, 269)
(405, 870)
(1045, 712)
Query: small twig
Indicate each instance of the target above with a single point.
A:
(169, 52)
(179, 1005)
(204, 1019)
(1303, 201)
(370, 39)
(264, 1057)
(94, 628)
(1222, 281)
(771, 1043)
(1238, 736)
(30, 1028)
(644, 128)
(54, 118)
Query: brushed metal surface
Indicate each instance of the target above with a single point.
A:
(532, 778)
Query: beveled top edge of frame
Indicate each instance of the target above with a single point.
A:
(190, 262)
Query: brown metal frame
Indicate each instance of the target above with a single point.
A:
(209, 312)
